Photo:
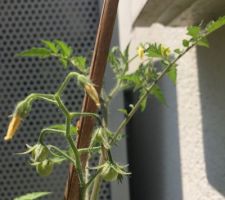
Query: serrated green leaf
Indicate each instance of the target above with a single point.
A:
(172, 74)
(50, 45)
(154, 50)
(64, 62)
(178, 51)
(113, 60)
(203, 42)
(35, 52)
(65, 49)
(157, 93)
(125, 57)
(144, 104)
(124, 111)
(126, 52)
(185, 43)
(194, 31)
(214, 25)
(79, 62)
(32, 196)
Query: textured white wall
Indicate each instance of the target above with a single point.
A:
(189, 136)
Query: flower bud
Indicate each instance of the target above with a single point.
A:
(89, 88)
(140, 52)
(111, 171)
(91, 91)
(21, 111)
(165, 51)
(13, 126)
(108, 172)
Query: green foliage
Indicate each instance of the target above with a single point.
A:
(60, 50)
(33, 196)
(194, 31)
(35, 52)
(51, 46)
(172, 74)
(157, 93)
(80, 62)
(185, 43)
(203, 42)
(119, 60)
(65, 50)
(215, 25)
(157, 51)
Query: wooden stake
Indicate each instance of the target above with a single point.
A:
(97, 71)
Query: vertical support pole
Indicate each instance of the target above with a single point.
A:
(99, 61)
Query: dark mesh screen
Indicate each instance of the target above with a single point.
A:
(23, 23)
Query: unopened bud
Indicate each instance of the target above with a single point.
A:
(140, 52)
(13, 126)
(91, 91)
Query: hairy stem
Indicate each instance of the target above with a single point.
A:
(65, 82)
(73, 146)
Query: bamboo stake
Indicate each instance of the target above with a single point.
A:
(97, 71)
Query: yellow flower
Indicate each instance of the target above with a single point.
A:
(91, 91)
(167, 52)
(13, 126)
(141, 52)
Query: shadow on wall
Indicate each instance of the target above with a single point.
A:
(154, 151)
(211, 64)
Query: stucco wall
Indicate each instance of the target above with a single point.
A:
(183, 143)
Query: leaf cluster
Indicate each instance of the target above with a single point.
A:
(60, 50)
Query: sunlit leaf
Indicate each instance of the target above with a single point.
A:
(154, 50)
(144, 104)
(203, 42)
(79, 62)
(156, 92)
(194, 31)
(172, 74)
(178, 51)
(32, 196)
(185, 43)
(35, 52)
(65, 49)
(214, 25)
(50, 45)
(64, 62)
(124, 111)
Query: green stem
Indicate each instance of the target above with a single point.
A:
(46, 131)
(92, 179)
(62, 153)
(46, 97)
(113, 92)
(65, 82)
(72, 145)
(97, 182)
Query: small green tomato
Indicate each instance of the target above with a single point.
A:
(108, 172)
(40, 153)
(44, 168)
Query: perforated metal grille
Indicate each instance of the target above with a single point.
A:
(23, 23)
